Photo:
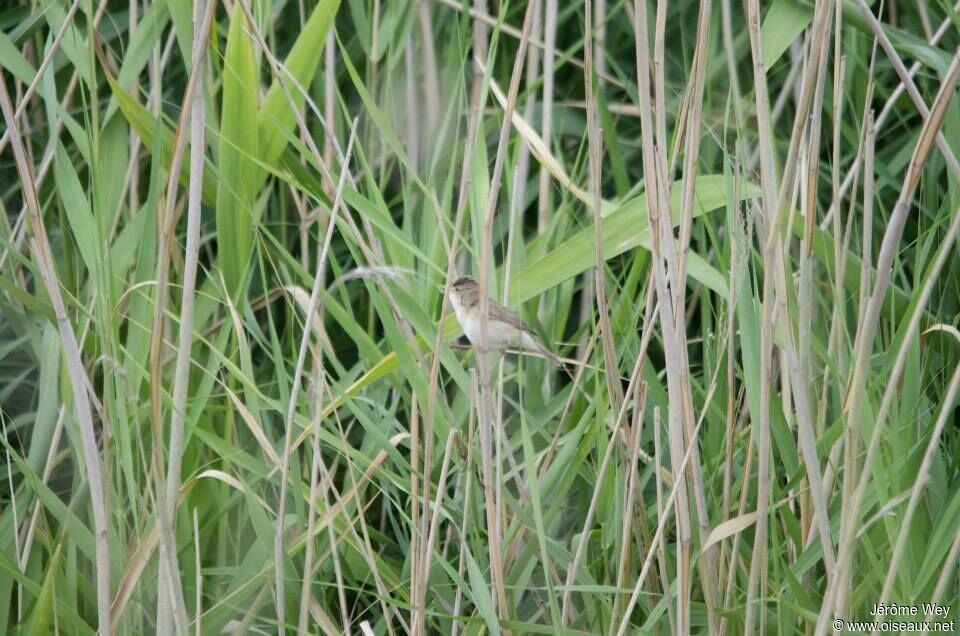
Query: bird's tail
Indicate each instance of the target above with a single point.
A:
(532, 344)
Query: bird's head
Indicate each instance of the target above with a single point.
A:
(465, 292)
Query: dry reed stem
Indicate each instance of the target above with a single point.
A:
(313, 308)
(853, 405)
(76, 373)
(483, 361)
(888, 108)
(907, 81)
(665, 275)
(419, 577)
(594, 141)
(203, 16)
(484, 19)
(663, 516)
(769, 203)
(546, 121)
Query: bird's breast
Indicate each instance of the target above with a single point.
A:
(500, 335)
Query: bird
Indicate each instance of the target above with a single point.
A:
(505, 329)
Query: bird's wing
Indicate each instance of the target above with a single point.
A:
(499, 312)
(530, 340)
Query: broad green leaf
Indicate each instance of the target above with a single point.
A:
(32, 304)
(783, 24)
(157, 137)
(77, 208)
(13, 61)
(42, 620)
(623, 229)
(70, 621)
(80, 535)
(480, 593)
(137, 53)
(787, 19)
(236, 187)
(181, 13)
(275, 116)
(72, 45)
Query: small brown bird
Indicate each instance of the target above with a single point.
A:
(505, 330)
